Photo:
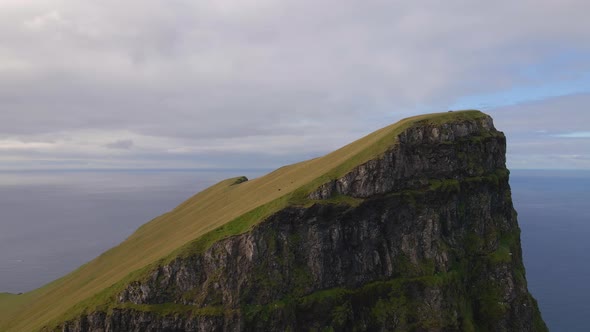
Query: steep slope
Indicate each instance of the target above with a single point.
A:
(414, 216)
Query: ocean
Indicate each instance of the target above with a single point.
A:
(53, 222)
(554, 216)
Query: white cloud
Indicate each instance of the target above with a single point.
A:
(45, 21)
(18, 145)
(575, 134)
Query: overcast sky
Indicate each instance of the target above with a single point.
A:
(259, 84)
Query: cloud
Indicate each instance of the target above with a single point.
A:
(274, 77)
(124, 144)
(576, 134)
(19, 145)
(547, 133)
(550, 116)
(45, 20)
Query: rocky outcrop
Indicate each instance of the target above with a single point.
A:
(432, 246)
(449, 150)
(134, 320)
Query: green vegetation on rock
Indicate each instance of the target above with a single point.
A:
(234, 207)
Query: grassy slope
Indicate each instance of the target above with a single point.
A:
(199, 215)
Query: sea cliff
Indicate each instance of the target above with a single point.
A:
(421, 237)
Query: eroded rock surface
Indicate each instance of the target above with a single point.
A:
(433, 246)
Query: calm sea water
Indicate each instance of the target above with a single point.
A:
(554, 214)
(52, 222)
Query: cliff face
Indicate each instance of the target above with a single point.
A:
(423, 237)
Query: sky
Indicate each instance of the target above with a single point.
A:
(258, 84)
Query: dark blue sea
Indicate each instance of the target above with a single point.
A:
(554, 215)
(52, 222)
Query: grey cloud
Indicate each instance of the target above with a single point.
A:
(554, 115)
(198, 72)
(533, 131)
(124, 144)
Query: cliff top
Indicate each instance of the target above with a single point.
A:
(228, 208)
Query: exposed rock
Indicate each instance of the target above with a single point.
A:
(140, 321)
(433, 246)
(449, 151)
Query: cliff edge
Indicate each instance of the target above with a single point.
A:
(411, 228)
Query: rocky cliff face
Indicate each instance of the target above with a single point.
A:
(447, 151)
(430, 244)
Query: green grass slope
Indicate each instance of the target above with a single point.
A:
(227, 208)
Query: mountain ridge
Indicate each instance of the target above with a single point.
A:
(237, 207)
